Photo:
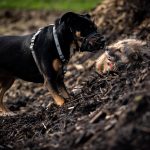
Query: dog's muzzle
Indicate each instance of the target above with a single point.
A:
(93, 42)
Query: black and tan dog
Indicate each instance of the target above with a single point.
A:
(41, 56)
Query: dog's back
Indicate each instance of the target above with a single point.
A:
(15, 57)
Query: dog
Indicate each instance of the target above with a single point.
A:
(123, 52)
(40, 57)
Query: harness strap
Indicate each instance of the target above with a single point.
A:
(58, 45)
(32, 49)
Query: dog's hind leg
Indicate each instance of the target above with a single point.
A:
(5, 84)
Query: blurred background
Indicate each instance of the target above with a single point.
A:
(52, 5)
(24, 16)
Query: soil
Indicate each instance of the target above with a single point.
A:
(105, 112)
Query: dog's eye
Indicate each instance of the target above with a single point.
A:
(92, 26)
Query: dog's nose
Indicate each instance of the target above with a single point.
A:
(102, 42)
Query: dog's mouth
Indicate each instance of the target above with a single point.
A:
(93, 42)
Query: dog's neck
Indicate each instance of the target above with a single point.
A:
(64, 41)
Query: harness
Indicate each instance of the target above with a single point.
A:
(57, 47)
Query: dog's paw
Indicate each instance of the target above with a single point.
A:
(59, 100)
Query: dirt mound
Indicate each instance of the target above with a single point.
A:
(123, 18)
(104, 112)
(109, 112)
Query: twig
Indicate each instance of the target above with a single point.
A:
(96, 117)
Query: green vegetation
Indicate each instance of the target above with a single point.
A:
(60, 5)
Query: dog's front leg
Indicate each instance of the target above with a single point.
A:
(52, 87)
(63, 90)
(61, 86)
(50, 68)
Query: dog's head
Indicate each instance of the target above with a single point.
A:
(84, 31)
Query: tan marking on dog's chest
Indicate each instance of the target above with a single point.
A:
(78, 34)
(57, 64)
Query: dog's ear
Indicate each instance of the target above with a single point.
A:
(87, 16)
(67, 17)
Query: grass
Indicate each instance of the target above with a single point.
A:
(57, 5)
